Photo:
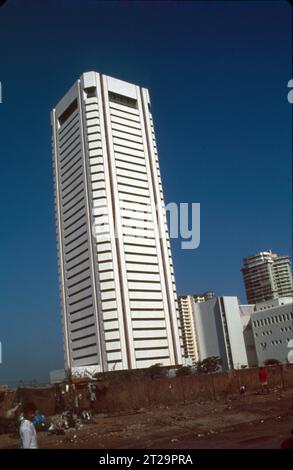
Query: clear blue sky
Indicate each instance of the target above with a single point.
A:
(217, 73)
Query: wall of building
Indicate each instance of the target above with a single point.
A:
(206, 327)
(272, 303)
(250, 345)
(219, 331)
(235, 333)
(272, 330)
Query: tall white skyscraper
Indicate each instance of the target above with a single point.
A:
(119, 304)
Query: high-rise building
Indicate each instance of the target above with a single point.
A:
(119, 304)
(204, 296)
(190, 342)
(267, 276)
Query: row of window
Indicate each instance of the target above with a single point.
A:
(286, 328)
(269, 306)
(124, 100)
(273, 320)
(275, 342)
(269, 332)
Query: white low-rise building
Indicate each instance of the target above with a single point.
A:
(272, 329)
(219, 331)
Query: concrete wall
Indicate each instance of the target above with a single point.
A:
(133, 393)
(147, 392)
(43, 399)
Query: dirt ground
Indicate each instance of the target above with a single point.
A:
(249, 421)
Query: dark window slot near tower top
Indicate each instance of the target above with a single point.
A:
(120, 99)
(68, 112)
(91, 92)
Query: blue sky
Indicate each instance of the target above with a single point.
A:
(217, 73)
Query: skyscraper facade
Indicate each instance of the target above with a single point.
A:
(267, 276)
(189, 336)
(117, 286)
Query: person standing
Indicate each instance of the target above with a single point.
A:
(92, 394)
(27, 431)
(263, 379)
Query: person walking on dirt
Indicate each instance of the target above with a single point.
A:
(263, 379)
(27, 431)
